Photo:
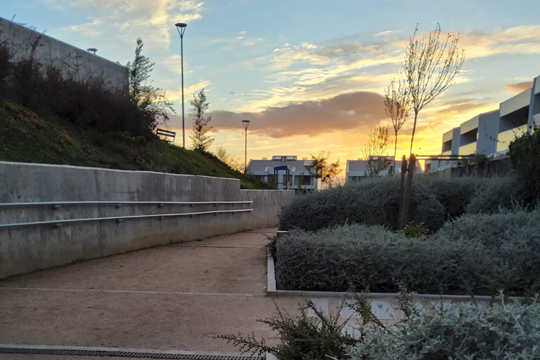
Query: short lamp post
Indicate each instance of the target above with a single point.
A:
(245, 124)
(181, 27)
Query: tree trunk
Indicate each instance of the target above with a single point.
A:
(395, 153)
(413, 130)
(395, 147)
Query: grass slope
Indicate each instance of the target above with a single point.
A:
(28, 137)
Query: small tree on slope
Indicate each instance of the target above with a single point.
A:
(201, 139)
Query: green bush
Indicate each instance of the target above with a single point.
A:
(477, 254)
(456, 193)
(464, 331)
(372, 201)
(376, 202)
(300, 337)
(412, 230)
(523, 152)
(499, 192)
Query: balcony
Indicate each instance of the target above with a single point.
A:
(506, 137)
(468, 149)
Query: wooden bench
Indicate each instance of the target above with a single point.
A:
(166, 135)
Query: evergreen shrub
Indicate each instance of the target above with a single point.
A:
(464, 331)
(375, 201)
(476, 253)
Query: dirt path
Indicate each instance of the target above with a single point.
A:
(174, 297)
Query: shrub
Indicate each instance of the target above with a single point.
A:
(477, 254)
(301, 337)
(371, 201)
(412, 230)
(57, 88)
(498, 192)
(456, 193)
(523, 152)
(464, 331)
(501, 330)
(376, 202)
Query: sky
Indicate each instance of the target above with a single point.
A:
(308, 74)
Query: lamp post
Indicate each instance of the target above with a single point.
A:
(181, 27)
(245, 124)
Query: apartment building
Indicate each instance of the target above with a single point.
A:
(284, 172)
(490, 133)
(358, 169)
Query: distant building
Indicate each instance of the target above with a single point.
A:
(490, 133)
(281, 171)
(358, 169)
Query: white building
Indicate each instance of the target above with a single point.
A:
(358, 169)
(490, 133)
(284, 172)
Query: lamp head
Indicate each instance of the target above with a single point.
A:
(181, 27)
(245, 124)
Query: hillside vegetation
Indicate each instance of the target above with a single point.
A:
(48, 114)
(25, 136)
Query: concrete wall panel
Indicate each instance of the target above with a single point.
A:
(32, 248)
(81, 63)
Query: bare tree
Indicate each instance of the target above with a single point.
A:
(430, 66)
(233, 161)
(376, 149)
(322, 169)
(397, 106)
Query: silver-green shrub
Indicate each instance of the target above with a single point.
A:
(499, 192)
(466, 331)
(376, 202)
(478, 254)
(372, 201)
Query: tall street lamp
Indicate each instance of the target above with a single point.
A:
(181, 27)
(245, 124)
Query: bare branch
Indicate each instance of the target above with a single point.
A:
(430, 67)
(397, 106)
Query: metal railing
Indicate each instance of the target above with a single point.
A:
(118, 219)
(57, 204)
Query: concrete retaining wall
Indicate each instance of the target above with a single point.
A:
(72, 60)
(38, 247)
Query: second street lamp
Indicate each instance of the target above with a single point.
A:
(245, 124)
(181, 27)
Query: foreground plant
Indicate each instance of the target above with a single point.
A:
(301, 337)
(464, 331)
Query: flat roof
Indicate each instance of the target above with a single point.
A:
(516, 102)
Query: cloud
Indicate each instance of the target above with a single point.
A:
(387, 32)
(524, 39)
(233, 43)
(518, 87)
(312, 118)
(127, 20)
(176, 94)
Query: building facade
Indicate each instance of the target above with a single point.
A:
(359, 169)
(285, 172)
(490, 133)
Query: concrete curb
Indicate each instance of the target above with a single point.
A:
(270, 276)
(273, 291)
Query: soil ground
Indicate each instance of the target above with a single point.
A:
(175, 297)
